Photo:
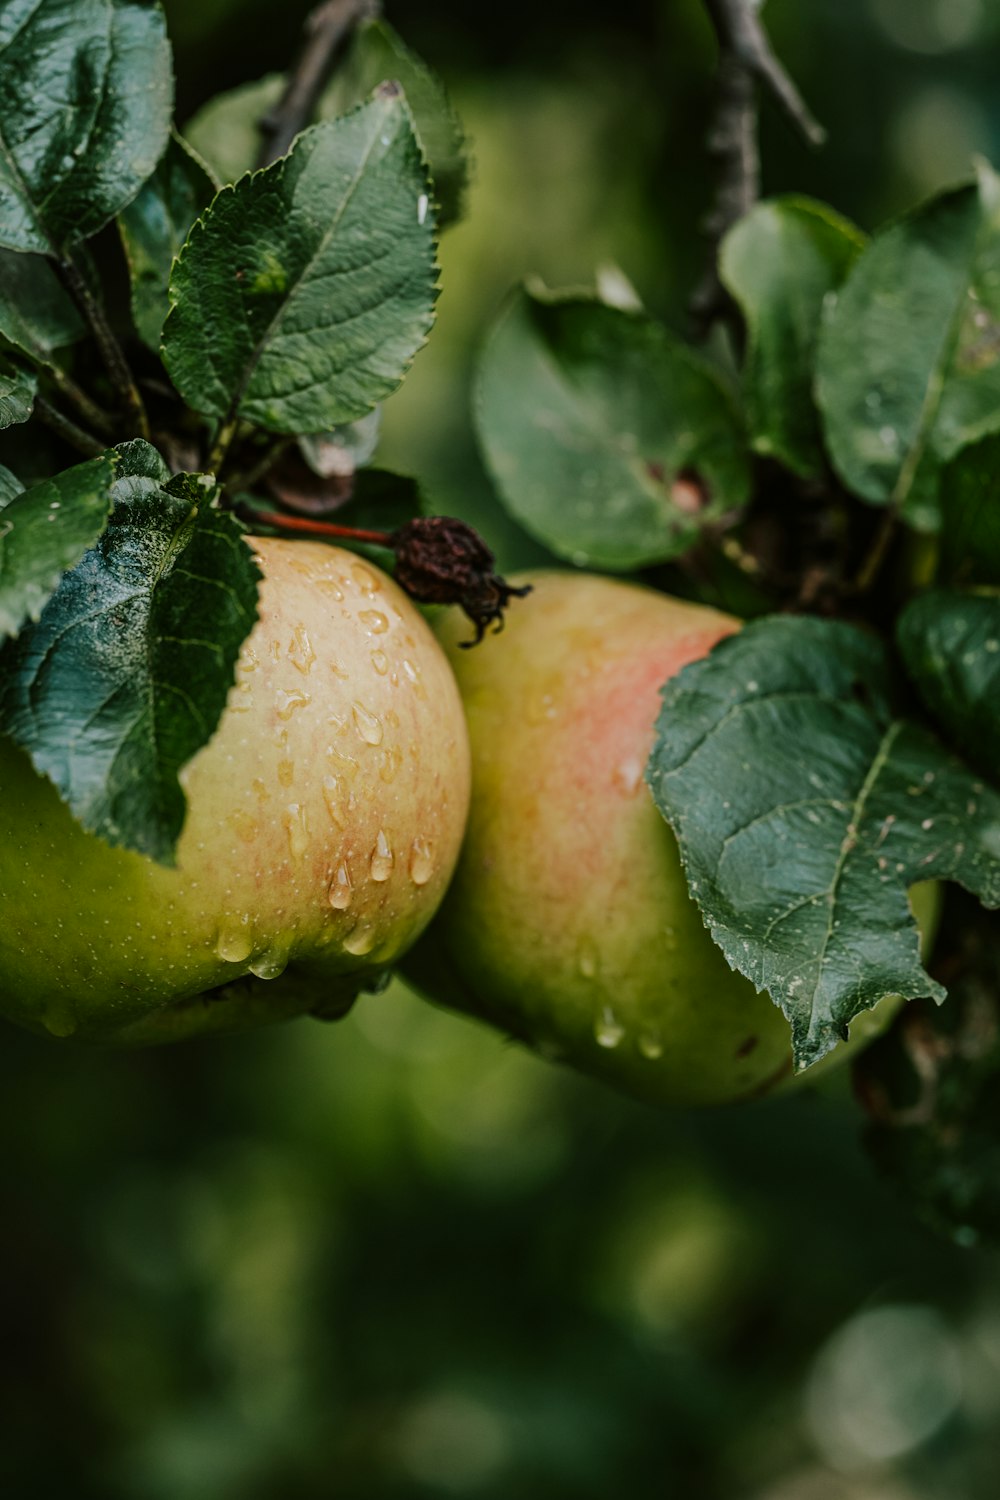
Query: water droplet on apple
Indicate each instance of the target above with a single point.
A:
(586, 959)
(421, 861)
(380, 662)
(374, 620)
(392, 759)
(270, 964)
(412, 674)
(336, 800)
(608, 1030)
(382, 858)
(360, 940)
(289, 702)
(235, 943)
(332, 587)
(297, 828)
(244, 826)
(368, 726)
(365, 579)
(627, 775)
(651, 1043)
(341, 892)
(301, 653)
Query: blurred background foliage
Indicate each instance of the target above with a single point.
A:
(395, 1257)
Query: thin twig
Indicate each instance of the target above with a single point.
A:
(327, 29)
(745, 60)
(313, 528)
(94, 415)
(108, 346)
(75, 436)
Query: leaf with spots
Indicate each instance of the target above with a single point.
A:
(304, 292)
(608, 439)
(153, 228)
(950, 642)
(908, 370)
(47, 529)
(779, 262)
(86, 94)
(805, 807)
(125, 675)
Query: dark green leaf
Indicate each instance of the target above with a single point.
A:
(805, 810)
(17, 393)
(141, 471)
(608, 439)
(951, 645)
(226, 131)
(154, 227)
(909, 353)
(36, 314)
(779, 263)
(46, 530)
(970, 509)
(10, 488)
(126, 674)
(86, 94)
(377, 54)
(304, 292)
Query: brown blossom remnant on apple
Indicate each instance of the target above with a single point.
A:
(441, 560)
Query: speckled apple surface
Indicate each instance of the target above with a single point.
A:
(324, 821)
(568, 922)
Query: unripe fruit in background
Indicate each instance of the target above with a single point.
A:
(324, 821)
(568, 923)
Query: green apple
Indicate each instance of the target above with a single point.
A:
(568, 923)
(324, 821)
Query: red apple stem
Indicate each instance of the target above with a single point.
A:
(318, 528)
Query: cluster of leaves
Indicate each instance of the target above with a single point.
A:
(816, 765)
(271, 312)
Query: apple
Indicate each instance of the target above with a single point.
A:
(569, 923)
(324, 820)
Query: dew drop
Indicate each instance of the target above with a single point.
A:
(627, 775)
(336, 800)
(270, 964)
(651, 1043)
(586, 959)
(421, 861)
(235, 942)
(360, 940)
(301, 653)
(244, 826)
(368, 726)
(286, 772)
(374, 620)
(382, 858)
(365, 579)
(260, 790)
(290, 702)
(297, 829)
(332, 587)
(341, 891)
(380, 662)
(392, 759)
(608, 1030)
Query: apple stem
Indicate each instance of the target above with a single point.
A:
(316, 528)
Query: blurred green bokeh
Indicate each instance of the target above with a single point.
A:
(396, 1257)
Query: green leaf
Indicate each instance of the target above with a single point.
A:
(908, 369)
(594, 423)
(46, 530)
(805, 809)
(154, 227)
(141, 471)
(10, 488)
(226, 131)
(126, 674)
(36, 315)
(950, 643)
(86, 94)
(304, 292)
(377, 54)
(17, 393)
(970, 509)
(779, 263)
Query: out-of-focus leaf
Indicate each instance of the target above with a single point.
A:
(17, 393)
(805, 809)
(126, 673)
(970, 510)
(36, 314)
(908, 370)
(47, 529)
(377, 54)
(779, 262)
(86, 94)
(344, 449)
(951, 645)
(226, 131)
(609, 440)
(153, 228)
(303, 293)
